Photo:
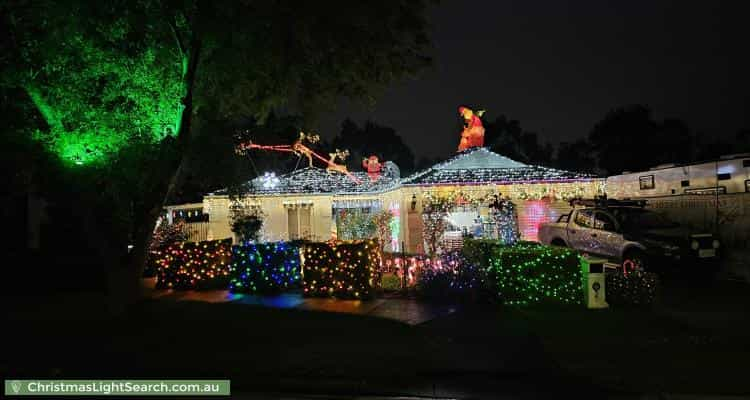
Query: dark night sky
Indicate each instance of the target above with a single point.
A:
(558, 68)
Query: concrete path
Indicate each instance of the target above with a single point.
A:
(405, 310)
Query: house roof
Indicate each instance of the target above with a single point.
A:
(479, 165)
(317, 180)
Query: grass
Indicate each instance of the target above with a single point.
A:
(694, 341)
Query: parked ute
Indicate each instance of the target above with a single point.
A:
(631, 235)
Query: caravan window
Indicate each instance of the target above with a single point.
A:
(646, 182)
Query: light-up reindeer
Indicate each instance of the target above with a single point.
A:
(333, 167)
(300, 149)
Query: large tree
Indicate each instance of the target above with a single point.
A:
(125, 85)
(373, 139)
(628, 138)
(507, 137)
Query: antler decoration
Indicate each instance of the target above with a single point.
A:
(300, 149)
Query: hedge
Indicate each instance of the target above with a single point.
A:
(529, 273)
(187, 265)
(265, 268)
(341, 269)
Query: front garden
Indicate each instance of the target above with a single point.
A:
(523, 273)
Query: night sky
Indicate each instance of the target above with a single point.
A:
(558, 68)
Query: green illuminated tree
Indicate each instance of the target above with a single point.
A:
(123, 86)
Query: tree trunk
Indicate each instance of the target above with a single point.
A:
(127, 285)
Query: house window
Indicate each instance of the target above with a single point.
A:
(685, 183)
(646, 182)
(299, 222)
(724, 177)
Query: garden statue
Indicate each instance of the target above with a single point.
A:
(473, 133)
(373, 167)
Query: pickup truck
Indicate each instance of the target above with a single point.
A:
(633, 236)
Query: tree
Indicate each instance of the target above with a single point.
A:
(373, 139)
(575, 156)
(130, 83)
(506, 137)
(628, 138)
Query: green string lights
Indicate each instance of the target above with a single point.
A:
(529, 273)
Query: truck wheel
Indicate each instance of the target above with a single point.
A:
(558, 243)
(634, 260)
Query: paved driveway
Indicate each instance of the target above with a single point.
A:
(405, 310)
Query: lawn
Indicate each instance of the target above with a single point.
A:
(693, 341)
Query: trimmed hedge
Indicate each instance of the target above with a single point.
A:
(341, 269)
(265, 268)
(529, 273)
(637, 288)
(187, 265)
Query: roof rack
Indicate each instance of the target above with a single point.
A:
(604, 202)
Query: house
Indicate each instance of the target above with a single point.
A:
(305, 203)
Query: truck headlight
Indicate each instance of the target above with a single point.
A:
(694, 245)
(716, 244)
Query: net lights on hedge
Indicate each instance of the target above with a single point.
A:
(341, 269)
(265, 268)
(186, 265)
(529, 273)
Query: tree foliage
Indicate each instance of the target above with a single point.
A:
(124, 88)
(373, 139)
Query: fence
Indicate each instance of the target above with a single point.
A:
(196, 231)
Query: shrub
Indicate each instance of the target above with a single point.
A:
(391, 282)
(202, 265)
(247, 227)
(452, 278)
(341, 269)
(634, 288)
(165, 235)
(266, 268)
(528, 273)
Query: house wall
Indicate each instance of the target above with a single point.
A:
(535, 204)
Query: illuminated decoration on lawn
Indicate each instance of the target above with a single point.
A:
(473, 133)
(632, 288)
(270, 180)
(341, 269)
(300, 149)
(265, 268)
(202, 265)
(506, 220)
(373, 167)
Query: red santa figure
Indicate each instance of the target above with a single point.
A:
(373, 167)
(473, 133)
